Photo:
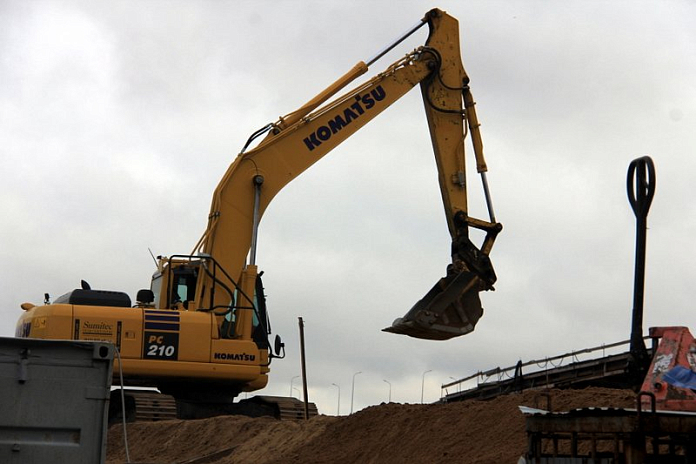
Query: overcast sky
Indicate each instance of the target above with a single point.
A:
(118, 119)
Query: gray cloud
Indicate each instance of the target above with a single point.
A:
(116, 123)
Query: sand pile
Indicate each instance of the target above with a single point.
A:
(466, 432)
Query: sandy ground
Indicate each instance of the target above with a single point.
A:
(465, 432)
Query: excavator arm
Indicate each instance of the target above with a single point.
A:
(298, 140)
(453, 307)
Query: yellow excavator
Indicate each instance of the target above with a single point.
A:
(201, 332)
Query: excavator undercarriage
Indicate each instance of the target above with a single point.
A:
(151, 405)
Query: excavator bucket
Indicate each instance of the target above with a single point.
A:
(450, 309)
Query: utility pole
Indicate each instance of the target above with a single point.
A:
(304, 369)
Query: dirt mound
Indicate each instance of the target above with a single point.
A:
(471, 431)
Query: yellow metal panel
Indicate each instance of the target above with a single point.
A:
(260, 382)
(120, 326)
(171, 335)
(188, 370)
(47, 322)
(235, 352)
(195, 333)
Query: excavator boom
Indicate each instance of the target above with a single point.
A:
(301, 138)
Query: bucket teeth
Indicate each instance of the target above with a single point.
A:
(450, 309)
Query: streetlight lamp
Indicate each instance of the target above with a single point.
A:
(352, 392)
(423, 384)
(291, 382)
(338, 405)
(389, 389)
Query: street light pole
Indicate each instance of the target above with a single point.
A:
(292, 381)
(389, 383)
(338, 405)
(423, 384)
(352, 392)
